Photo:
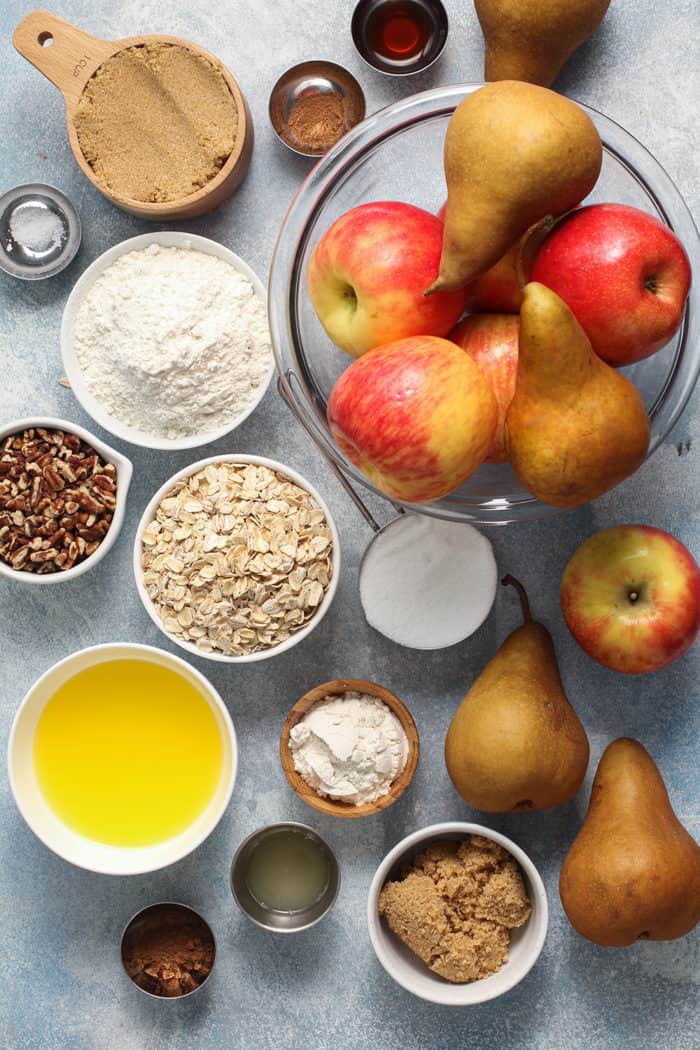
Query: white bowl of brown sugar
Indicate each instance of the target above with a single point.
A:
(457, 914)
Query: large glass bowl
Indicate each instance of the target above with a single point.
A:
(396, 154)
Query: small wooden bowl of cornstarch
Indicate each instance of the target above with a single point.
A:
(338, 688)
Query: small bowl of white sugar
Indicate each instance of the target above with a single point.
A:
(165, 340)
(349, 748)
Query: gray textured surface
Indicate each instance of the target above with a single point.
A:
(61, 980)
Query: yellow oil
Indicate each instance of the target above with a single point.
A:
(128, 753)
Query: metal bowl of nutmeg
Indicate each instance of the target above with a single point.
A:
(156, 123)
(62, 499)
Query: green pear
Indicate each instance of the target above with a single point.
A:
(633, 871)
(575, 427)
(514, 153)
(515, 742)
(532, 39)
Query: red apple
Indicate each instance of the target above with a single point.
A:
(631, 598)
(416, 416)
(623, 274)
(491, 340)
(368, 273)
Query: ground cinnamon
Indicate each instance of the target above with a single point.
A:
(317, 121)
(169, 951)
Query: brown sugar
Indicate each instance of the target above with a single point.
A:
(156, 122)
(455, 905)
(317, 121)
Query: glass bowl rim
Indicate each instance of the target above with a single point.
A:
(299, 221)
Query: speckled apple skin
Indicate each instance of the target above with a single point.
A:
(368, 273)
(417, 416)
(491, 340)
(650, 631)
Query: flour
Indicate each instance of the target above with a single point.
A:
(350, 748)
(173, 341)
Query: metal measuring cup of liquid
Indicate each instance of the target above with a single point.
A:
(284, 877)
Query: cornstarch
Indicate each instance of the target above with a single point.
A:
(350, 747)
(173, 341)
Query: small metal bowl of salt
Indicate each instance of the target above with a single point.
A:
(39, 231)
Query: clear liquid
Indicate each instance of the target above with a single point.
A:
(288, 871)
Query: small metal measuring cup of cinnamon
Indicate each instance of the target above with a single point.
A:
(313, 105)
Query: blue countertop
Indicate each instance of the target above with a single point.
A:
(62, 984)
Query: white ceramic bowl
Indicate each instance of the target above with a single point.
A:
(149, 514)
(74, 373)
(46, 825)
(124, 472)
(410, 972)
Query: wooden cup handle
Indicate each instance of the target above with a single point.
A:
(64, 54)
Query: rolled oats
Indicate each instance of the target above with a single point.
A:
(237, 558)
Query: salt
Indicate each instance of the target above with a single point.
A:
(36, 228)
(427, 583)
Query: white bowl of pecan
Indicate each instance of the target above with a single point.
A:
(62, 499)
(236, 558)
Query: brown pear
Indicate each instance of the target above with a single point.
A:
(633, 871)
(532, 39)
(575, 427)
(514, 153)
(515, 742)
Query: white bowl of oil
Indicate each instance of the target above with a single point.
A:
(122, 758)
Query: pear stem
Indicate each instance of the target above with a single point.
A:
(522, 594)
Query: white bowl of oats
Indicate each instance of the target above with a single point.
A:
(236, 558)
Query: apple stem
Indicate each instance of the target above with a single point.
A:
(522, 594)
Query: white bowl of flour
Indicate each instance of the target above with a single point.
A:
(165, 340)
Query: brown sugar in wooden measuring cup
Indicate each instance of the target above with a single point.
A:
(156, 122)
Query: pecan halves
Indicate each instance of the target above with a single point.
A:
(57, 500)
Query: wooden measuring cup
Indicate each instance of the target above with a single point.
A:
(68, 57)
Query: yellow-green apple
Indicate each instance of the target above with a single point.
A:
(416, 416)
(491, 340)
(631, 598)
(368, 273)
(623, 274)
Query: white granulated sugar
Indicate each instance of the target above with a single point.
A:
(173, 341)
(427, 583)
(350, 748)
